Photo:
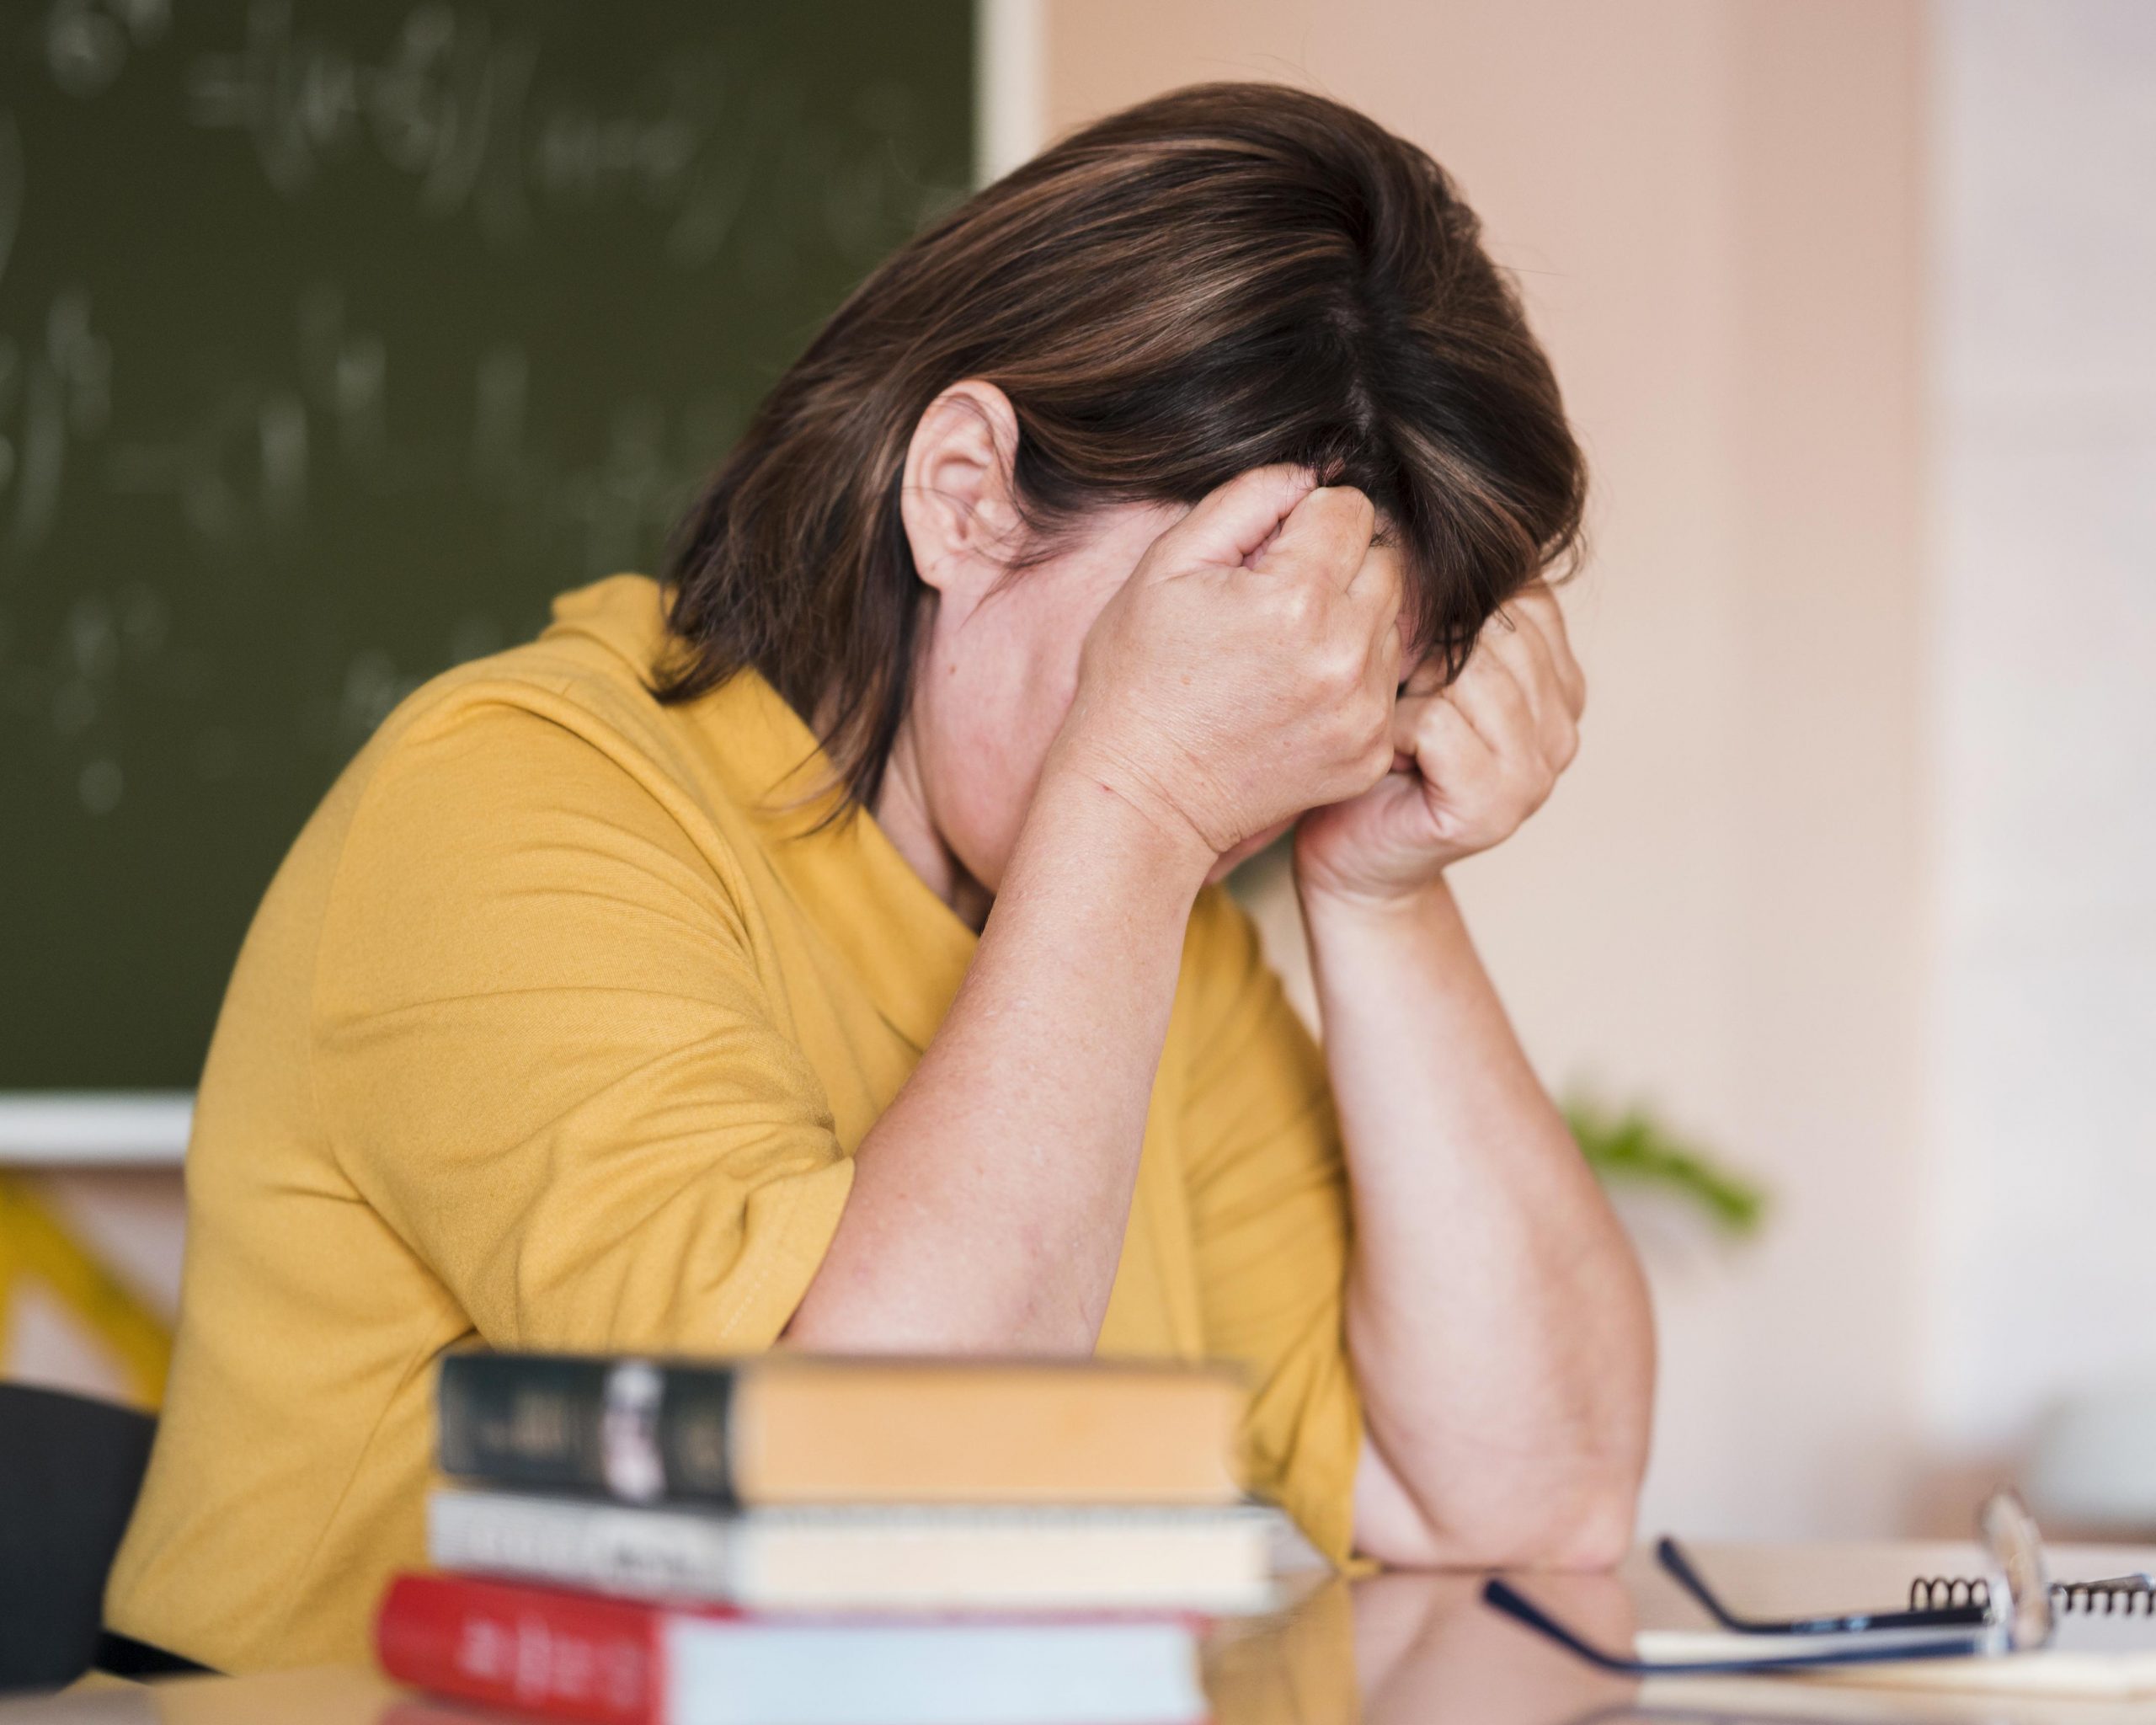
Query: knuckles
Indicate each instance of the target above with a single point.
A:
(1357, 725)
(1299, 607)
(1338, 668)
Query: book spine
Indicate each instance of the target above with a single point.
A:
(627, 1428)
(641, 1551)
(593, 1660)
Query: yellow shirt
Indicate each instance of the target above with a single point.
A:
(557, 1029)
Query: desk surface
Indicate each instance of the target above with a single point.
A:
(1394, 1649)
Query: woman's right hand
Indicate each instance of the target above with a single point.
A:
(1246, 670)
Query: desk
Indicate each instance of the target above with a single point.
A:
(1394, 1649)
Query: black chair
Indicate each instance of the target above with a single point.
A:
(69, 1471)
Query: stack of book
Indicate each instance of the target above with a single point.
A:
(799, 1540)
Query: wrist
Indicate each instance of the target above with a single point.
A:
(1118, 810)
(1099, 814)
(1329, 903)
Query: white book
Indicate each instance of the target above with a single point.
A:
(925, 1557)
(1139, 1672)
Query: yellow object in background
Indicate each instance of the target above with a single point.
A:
(36, 1245)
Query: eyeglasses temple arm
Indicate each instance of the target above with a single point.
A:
(1681, 1569)
(1501, 1596)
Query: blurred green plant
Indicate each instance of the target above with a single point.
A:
(1631, 1147)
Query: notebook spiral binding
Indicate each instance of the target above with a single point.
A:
(2124, 1599)
(1939, 1592)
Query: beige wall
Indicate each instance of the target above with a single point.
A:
(1713, 208)
(2043, 406)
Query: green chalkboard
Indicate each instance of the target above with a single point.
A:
(336, 336)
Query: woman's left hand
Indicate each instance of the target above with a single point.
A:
(1471, 761)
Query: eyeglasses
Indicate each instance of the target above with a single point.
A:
(2013, 1612)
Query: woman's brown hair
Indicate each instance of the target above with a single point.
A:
(1227, 276)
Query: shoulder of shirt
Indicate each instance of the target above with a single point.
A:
(498, 728)
(569, 722)
(589, 674)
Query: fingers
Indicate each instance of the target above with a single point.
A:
(1375, 590)
(1535, 700)
(1524, 650)
(1517, 645)
(1491, 698)
(1427, 676)
(1230, 524)
(1537, 606)
(1328, 532)
(1380, 579)
(1386, 652)
(1432, 735)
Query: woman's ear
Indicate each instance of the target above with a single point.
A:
(958, 499)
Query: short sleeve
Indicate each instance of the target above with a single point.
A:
(1269, 1196)
(543, 1053)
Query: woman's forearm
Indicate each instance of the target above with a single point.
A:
(1497, 1317)
(989, 1200)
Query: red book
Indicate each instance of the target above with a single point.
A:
(623, 1661)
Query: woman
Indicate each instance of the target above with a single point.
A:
(824, 951)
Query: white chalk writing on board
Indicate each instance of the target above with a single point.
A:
(56, 395)
(168, 461)
(450, 103)
(86, 42)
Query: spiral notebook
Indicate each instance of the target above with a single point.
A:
(2105, 1647)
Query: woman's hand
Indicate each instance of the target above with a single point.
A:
(1247, 670)
(1471, 762)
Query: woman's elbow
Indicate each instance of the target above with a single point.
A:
(1596, 1534)
(1575, 1525)
(1586, 1527)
